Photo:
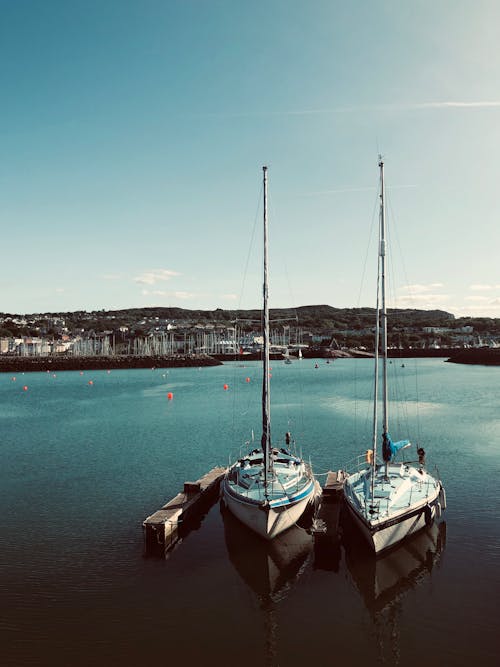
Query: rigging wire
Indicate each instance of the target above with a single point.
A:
(236, 393)
(368, 251)
(394, 228)
(298, 433)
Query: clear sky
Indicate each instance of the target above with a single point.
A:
(133, 133)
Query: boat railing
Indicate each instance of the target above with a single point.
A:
(360, 462)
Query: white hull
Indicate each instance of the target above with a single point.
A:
(390, 532)
(266, 521)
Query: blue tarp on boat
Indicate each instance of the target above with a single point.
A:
(390, 448)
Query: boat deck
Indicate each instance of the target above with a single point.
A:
(289, 476)
(404, 486)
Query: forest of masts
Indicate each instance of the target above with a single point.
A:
(163, 344)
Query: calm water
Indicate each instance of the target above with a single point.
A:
(82, 465)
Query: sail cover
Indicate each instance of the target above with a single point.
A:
(390, 448)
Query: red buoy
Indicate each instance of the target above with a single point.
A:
(226, 387)
(170, 395)
(247, 380)
(25, 388)
(91, 382)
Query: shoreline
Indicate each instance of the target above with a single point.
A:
(67, 363)
(16, 364)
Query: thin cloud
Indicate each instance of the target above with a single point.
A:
(484, 104)
(154, 276)
(412, 106)
(484, 287)
(421, 300)
(421, 296)
(417, 289)
(478, 299)
(335, 191)
(169, 294)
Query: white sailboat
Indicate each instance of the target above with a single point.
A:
(389, 499)
(268, 489)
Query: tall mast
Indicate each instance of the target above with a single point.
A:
(380, 315)
(266, 423)
(384, 307)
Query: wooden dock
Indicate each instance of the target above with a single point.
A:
(334, 484)
(164, 528)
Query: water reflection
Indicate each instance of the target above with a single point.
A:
(384, 582)
(270, 569)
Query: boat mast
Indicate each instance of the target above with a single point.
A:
(385, 431)
(266, 422)
(377, 336)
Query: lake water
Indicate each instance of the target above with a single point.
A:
(81, 466)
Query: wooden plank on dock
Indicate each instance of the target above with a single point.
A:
(334, 483)
(161, 529)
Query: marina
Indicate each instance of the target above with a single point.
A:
(82, 466)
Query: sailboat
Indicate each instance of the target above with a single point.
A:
(270, 488)
(389, 499)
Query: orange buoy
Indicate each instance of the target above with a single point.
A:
(226, 387)
(170, 395)
(91, 382)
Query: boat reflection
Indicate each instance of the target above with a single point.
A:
(384, 581)
(269, 568)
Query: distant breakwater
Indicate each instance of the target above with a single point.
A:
(70, 363)
(485, 356)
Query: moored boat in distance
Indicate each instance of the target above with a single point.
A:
(270, 488)
(389, 500)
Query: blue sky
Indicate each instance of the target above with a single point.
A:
(133, 136)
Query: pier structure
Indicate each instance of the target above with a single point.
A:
(334, 484)
(166, 526)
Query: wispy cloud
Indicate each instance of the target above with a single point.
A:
(154, 276)
(423, 301)
(410, 106)
(484, 288)
(112, 276)
(421, 289)
(421, 296)
(478, 299)
(478, 104)
(333, 191)
(169, 294)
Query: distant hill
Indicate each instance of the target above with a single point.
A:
(314, 318)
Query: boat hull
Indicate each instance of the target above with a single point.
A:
(384, 535)
(267, 520)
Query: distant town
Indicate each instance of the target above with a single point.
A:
(177, 331)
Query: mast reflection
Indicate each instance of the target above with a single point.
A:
(269, 568)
